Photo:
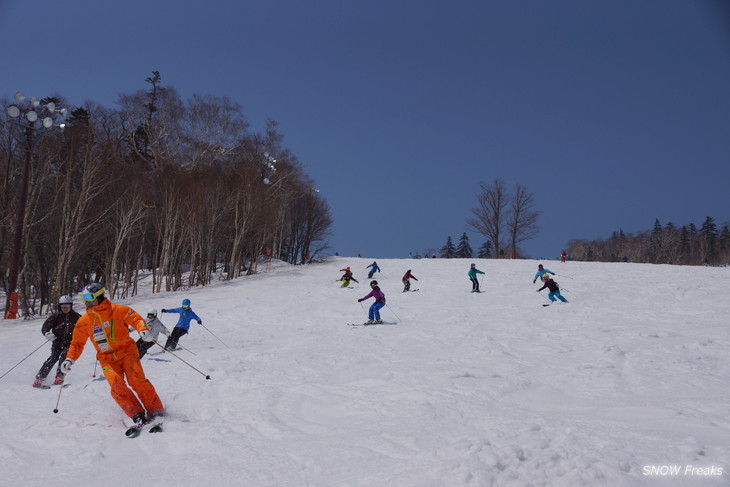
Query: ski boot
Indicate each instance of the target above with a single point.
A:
(59, 379)
(37, 383)
(139, 419)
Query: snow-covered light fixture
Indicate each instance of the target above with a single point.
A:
(27, 111)
(24, 113)
(267, 168)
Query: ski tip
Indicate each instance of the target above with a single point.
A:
(132, 432)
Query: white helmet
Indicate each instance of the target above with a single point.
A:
(66, 299)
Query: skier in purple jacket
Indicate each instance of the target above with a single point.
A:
(374, 311)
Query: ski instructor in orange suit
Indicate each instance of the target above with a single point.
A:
(106, 325)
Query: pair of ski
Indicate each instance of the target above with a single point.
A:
(46, 386)
(136, 430)
(370, 324)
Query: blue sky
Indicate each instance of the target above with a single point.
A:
(613, 113)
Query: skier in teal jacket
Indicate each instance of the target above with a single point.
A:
(540, 271)
(473, 271)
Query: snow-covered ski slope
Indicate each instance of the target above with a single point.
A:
(628, 384)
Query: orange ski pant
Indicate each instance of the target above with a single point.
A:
(129, 366)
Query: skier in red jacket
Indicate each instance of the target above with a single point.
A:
(406, 280)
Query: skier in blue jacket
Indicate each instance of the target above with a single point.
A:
(540, 272)
(374, 269)
(183, 323)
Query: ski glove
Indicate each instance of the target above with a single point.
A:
(50, 336)
(146, 336)
(164, 310)
(200, 322)
(359, 300)
(66, 365)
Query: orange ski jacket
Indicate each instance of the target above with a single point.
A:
(107, 326)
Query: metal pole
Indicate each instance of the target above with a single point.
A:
(19, 225)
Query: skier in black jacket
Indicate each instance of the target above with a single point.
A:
(553, 287)
(58, 329)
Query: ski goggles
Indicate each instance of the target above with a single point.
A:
(186, 307)
(92, 296)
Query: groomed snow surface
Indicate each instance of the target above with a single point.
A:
(628, 384)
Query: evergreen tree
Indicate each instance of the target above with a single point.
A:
(464, 249)
(656, 242)
(724, 244)
(657, 227)
(684, 243)
(708, 235)
(709, 229)
(448, 251)
(485, 251)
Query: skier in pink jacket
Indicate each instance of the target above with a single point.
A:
(374, 311)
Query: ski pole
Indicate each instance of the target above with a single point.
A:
(31, 353)
(224, 343)
(96, 362)
(183, 361)
(58, 399)
(391, 310)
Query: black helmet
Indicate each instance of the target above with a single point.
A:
(373, 283)
(93, 291)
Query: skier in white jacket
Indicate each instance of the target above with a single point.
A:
(156, 327)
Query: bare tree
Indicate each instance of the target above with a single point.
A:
(491, 214)
(522, 218)
(157, 184)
